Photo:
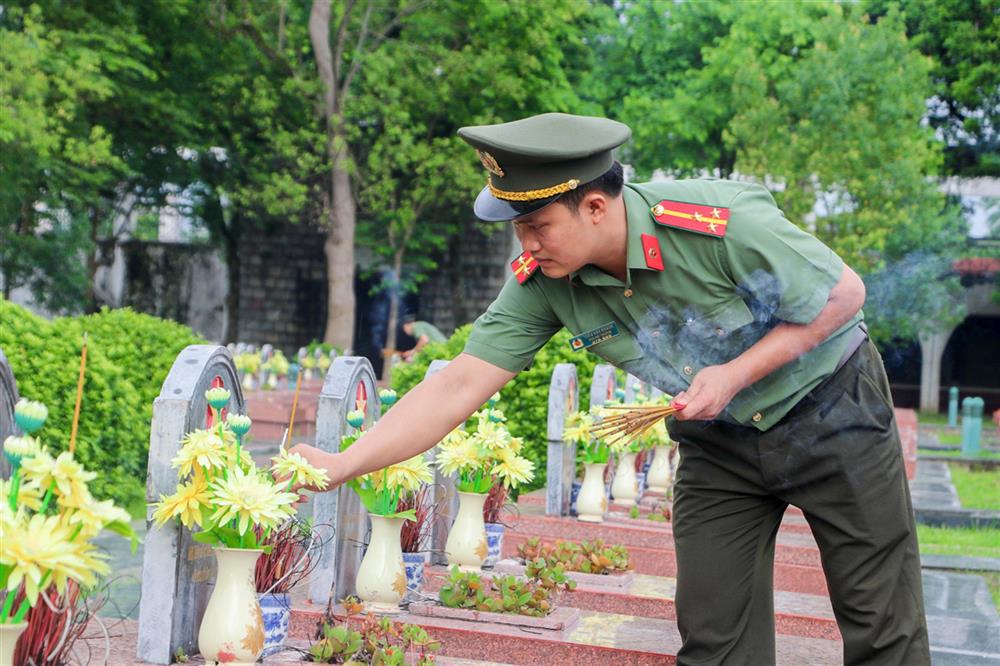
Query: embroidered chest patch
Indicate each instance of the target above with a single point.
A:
(595, 336)
(710, 220)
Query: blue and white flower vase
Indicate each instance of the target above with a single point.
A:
(277, 611)
(494, 543)
(414, 565)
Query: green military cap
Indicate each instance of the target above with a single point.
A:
(533, 161)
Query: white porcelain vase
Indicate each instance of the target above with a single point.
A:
(9, 633)
(381, 581)
(467, 546)
(232, 630)
(658, 475)
(592, 502)
(625, 488)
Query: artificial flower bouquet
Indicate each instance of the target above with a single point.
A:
(591, 449)
(382, 490)
(47, 520)
(220, 489)
(484, 454)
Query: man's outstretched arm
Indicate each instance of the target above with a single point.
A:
(417, 422)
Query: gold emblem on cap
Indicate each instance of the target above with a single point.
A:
(490, 163)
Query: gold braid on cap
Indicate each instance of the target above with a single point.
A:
(531, 195)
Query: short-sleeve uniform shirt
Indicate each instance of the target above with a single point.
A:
(716, 296)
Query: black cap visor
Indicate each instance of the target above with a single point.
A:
(491, 209)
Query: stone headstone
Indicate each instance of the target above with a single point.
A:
(8, 398)
(445, 495)
(560, 466)
(339, 517)
(602, 389)
(634, 387)
(177, 573)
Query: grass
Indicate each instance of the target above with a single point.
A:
(977, 489)
(952, 438)
(932, 418)
(965, 541)
(957, 453)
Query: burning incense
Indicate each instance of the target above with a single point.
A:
(79, 395)
(629, 422)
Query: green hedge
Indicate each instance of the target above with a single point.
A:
(525, 400)
(128, 357)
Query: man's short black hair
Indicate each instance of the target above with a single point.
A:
(609, 183)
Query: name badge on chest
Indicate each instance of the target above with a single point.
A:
(590, 338)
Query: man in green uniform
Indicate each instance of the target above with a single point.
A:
(702, 288)
(423, 332)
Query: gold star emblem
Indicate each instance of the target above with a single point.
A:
(716, 213)
(712, 226)
(697, 216)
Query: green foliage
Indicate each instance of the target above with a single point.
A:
(128, 357)
(586, 557)
(525, 400)
(534, 595)
(376, 640)
(963, 39)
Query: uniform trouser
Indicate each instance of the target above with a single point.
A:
(837, 456)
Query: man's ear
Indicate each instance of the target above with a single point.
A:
(595, 206)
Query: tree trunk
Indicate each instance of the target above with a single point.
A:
(90, 300)
(232, 254)
(339, 245)
(390, 335)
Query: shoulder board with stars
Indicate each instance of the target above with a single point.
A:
(524, 267)
(710, 220)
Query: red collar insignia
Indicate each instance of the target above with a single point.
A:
(524, 266)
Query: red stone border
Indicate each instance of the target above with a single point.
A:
(560, 619)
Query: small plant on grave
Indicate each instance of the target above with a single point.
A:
(633, 512)
(592, 557)
(220, 489)
(660, 512)
(535, 595)
(371, 640)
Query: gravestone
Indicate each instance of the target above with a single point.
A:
(177, 573)
(560, 466)
(634, 387)
(8, 398)
(444, 497)
(602, 389)
(340, 519)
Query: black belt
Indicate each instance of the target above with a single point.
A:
(857, 336)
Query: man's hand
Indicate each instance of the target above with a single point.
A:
(322, 460)
(710, 392)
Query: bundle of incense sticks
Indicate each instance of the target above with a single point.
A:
(629, 422)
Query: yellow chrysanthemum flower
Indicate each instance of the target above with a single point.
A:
(407, 475)
(297, 468)
(252, 499)
(43, 545)
(513, 469)
(201, 451)
(69, 476)
(460, 454)
(93, 516)
(515, 444)
(578, 428)
(185, 504)
(491, 436)
(28, 494)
